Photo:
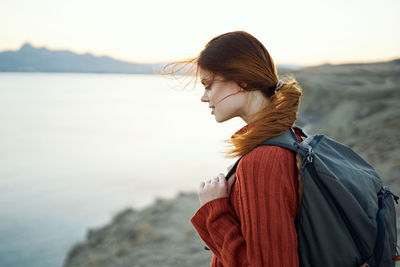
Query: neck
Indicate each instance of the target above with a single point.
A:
(256, 102)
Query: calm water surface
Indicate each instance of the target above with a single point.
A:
(75, 149)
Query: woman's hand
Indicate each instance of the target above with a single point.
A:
(215, 188)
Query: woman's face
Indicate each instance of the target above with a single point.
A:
(226, 98)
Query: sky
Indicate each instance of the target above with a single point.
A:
(306, 32)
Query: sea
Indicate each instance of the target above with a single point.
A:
(77, 148)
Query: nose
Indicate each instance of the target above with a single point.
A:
(204, 97)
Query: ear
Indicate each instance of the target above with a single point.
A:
(242, 85)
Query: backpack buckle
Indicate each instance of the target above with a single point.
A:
(309, 155)
(385, 192)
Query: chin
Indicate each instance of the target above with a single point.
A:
(219, 120)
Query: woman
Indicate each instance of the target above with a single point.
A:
(249, 219)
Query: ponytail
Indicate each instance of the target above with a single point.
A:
(274, 120)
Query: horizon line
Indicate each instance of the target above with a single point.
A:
(314, 64)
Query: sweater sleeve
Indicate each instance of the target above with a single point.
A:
(264, 234)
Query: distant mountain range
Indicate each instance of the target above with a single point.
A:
(34, 59)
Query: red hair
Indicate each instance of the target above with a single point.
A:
(238, 56)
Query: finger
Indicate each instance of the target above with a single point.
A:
(229, 167)
(221, 177)
(215, 180)
(201, 185)
(231, 180)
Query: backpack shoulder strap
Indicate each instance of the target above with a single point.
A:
(286, 140)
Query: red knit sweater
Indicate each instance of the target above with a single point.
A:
(255, 225)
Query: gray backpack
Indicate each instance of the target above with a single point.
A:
(346, 217)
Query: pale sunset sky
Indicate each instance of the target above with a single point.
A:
(307, 32)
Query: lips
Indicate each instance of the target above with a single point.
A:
(212, 109)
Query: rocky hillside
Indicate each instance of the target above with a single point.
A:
(160, 235)
(356, 104)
